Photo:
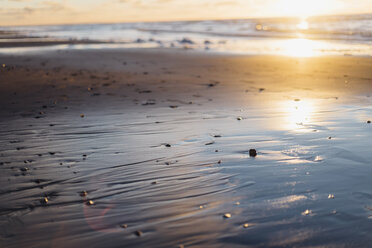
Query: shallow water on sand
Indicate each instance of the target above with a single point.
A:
(313, 154)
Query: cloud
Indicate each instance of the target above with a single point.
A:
(53, 6)
(227, 3)
(30, 12)
(82, 11)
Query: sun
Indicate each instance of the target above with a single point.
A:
(305, 8)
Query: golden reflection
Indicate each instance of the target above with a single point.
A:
(299, 48)
(297, 113)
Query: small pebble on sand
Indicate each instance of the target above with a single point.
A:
(24, 169)
(124, 226)
(227, 215)
(90, 203)
(83, 193)
(252, 153)
(306, 212)
(44, 200)
(82, 115)
(138, 233)
(369, 122)
(239, 118)
(331, 196)
(167, 145)
(246, 225)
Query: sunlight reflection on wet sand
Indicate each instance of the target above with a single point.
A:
(297, 113)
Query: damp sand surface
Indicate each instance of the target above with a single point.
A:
(151, 148)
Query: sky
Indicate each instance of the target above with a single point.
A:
(32, 12)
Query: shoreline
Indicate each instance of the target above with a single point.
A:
(9, 48)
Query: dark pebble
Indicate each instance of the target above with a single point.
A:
(44, 200)
(252, 153)
(83, 193)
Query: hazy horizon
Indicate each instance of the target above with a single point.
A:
(37, 12)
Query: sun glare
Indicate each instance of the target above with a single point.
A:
(303, 25)
(297, 113)
(299, 48)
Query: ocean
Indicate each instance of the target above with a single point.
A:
(314, 36)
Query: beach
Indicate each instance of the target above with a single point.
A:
(151, 148)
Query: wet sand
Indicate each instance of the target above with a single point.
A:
(160, 141)
(14, 39)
